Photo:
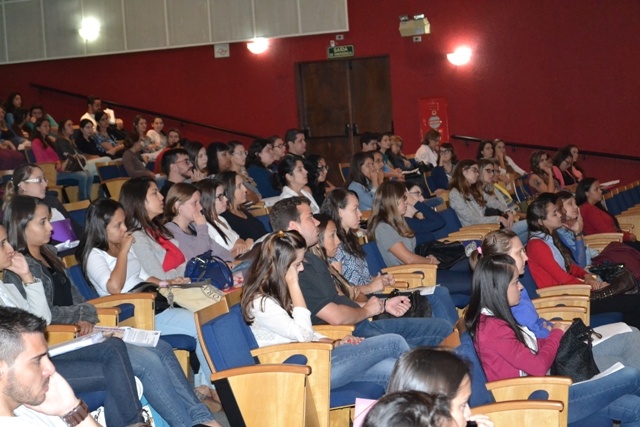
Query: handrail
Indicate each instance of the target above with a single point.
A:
(468, 139)
(142, 110)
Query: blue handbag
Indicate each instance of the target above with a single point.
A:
(209, 266)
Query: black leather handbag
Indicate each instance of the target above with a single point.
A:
(575, 353)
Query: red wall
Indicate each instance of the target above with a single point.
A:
(543, 72)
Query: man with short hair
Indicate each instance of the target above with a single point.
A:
(328, 306)
(94, 104)
(296, 144)
(176, 164)
(32, 393)
(369, 141)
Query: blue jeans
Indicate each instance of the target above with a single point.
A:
(165, 386)
(181, 321)
(416, 331)
(616, 397)
(84, 180)
(442, 305)
(372, 360)
(104, 366)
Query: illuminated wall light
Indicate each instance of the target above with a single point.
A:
(258, 45)
(460, 56)
(90, 29)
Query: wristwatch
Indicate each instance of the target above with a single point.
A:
(76, 415)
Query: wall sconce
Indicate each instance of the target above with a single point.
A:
(460, 56)
(89, 29)
(414, 27)
(258, 45)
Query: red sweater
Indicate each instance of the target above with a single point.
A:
(544, 268)
(597, 221)
(502, 356)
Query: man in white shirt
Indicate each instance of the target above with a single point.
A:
(32, 393)
(94, 104)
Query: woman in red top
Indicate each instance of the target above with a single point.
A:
(551, 263)
(596, 218)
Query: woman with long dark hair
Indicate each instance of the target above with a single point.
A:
(214, 203)
(260, 160)
(293, 178)
(551, 263)
(272, 303)
(363, 179)
(238, 217)
(509, 350)
(596, 218)
(541, 178)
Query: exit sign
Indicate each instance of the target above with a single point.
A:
(340, 51)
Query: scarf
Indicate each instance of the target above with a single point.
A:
(173, 256)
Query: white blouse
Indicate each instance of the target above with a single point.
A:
(100, 265)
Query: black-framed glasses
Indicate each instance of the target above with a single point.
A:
(221, 196)
(323, 168)
(416, 193)
(445, 151)
(187, 161)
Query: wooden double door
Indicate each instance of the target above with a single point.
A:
(339, 100)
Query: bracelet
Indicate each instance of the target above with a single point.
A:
(76, 415)
(384, 305)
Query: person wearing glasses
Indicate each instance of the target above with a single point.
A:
(29, 180)
(238, 155)
(177, 165)
(441, 174)
(279, 151)
(489, 171)
(317, 170)
(469, 202)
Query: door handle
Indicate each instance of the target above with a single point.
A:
(355, 129)
(347, 129)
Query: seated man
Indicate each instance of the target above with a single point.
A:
(32, 393)
(176, 164)
(329, 306)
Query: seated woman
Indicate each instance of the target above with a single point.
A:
(596, 218)
(155, 134)
(218, 158)
(509, 350)
(427, 155)
(494, 197)
(421, 218)
(541, 178)
(84, 142)
(441, 174)
(551, 263)
(272, 303)
(66, 147)
(621, 347)
(7, 134)
(469, 202)
(152, 242)
(441, 304)
(184, 219)
(571, 233)
(505, 163)
(237, 216)
(398, 159)
(562, 163)
(238, 156)
(293, 178)
(44, 152)
(259, 162)
(198, 156)
(157, 367)
(29, 180)
(150, 149)
(389, 169)
(317, 177)
(576, 169)
(485, 150)
(105, 142)
(437, 371)
(132, 160)
(214, 203)
(363, 179)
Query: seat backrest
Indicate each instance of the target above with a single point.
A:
(479, 393)
(344, 171)
(109, 170)
(373, 258)
(78, 279)
(227, 339)
(451, 220)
